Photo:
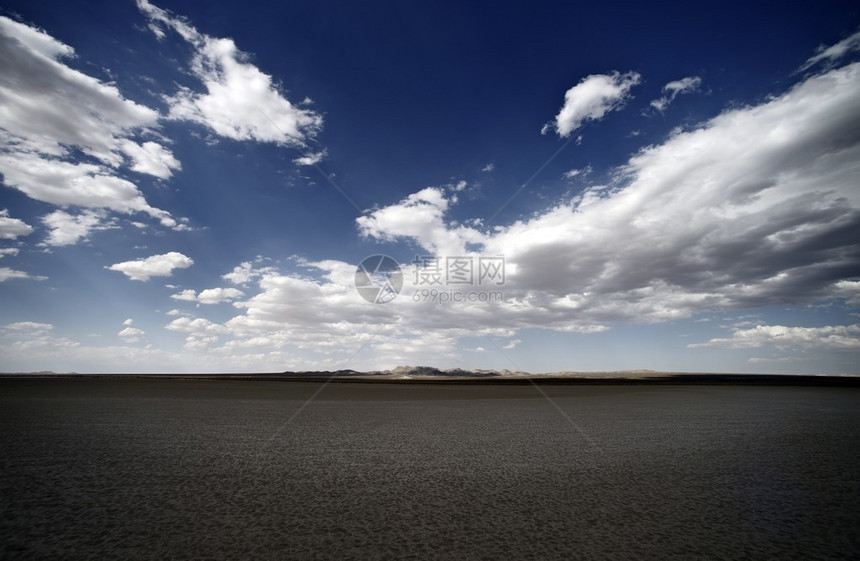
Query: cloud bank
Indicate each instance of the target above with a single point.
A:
(50, 108)
(828, 338)
(755, 207)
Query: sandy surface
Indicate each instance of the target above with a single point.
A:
(155, 469)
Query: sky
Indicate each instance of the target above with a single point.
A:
(192, 187)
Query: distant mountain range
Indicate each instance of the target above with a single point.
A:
(458, 375)
(410, 372)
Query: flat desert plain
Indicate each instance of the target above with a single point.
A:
(139, 468)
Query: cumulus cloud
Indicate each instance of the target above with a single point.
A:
(240, 274)
(154, 266)
(48, 108)
(325, 315)
(4, 251)
(197, 326)
(240, 101)
(131, 334)
(12, 228)
(151, 158)
(218, 295)
(420, 216)
(209, 295)
(830, 337)
(591, 99)
(188, 295)
(674, 89)
(246, 272)
(834, 52)
(68, 229)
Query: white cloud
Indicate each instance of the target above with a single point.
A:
(675, 234)
(35, 340)
(29, 326)
(197, 326)
(756, 207)
(11, 228)
(834, 52)
(173, 312)
(776, 359)
(8, 251)
(240, 101)
(188, 295)
(241, 274)
(420, 216)
(154, 266)
(8, 274)
(157, 31)
(80, 184)
(674, 89)
(489, 167)
(245, 272)
(198, 343)
(570, 174)
(128, 322)
(151, 158)
(218, 295)
(49, 105)
(61, 354)
(591, 99)
(48, 108)
(131, 334)
(849, 291)
(326, 315)
(67, 229)
(209, 295)
(830, 337)
(512, 344)
(311, 159)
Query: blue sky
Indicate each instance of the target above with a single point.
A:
(190, 187)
